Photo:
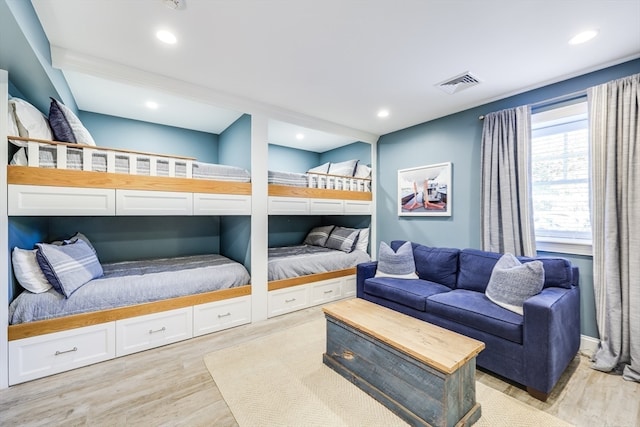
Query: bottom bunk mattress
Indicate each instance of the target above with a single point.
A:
(293, 261)
(133, 282)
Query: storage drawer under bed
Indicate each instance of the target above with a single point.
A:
(43, 355)
(219, 315)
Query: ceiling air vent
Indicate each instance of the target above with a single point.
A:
(458, 83)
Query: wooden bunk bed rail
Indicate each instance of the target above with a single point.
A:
(27, 175)
(309, 278)
(288, 191)
(42, 327)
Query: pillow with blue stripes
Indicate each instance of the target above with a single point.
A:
(68, 267)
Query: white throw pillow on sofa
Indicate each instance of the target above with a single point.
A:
(512, 282)
(399, 264)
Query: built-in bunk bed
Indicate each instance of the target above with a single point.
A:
(321, 267)
(91, 312)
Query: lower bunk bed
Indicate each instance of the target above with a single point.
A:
(134, 306)
(320, 270)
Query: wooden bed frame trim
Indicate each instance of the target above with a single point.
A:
(42, 327)
(309, 278)
(318, 193)
(25, 175)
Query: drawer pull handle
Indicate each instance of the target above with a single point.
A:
(224, 315)
(290, 300)
(151, 331)
(329, 291)
(58, 352)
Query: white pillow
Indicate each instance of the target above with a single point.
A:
(362, 244)
(320, 169)
(31, 123)
(13, 127)
(28, 272)
(346, 168)
(399, 264)
(362, 171)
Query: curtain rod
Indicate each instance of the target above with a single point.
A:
(554, 100)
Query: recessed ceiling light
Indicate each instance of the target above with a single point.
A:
(166, 37)
(299, 136)
(584, 36)
(152, 105)
(383, 113)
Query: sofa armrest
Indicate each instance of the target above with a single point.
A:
(551, 335)
(364, 271)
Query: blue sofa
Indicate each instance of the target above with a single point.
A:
(532, 349)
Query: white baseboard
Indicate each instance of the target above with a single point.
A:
(588, 345)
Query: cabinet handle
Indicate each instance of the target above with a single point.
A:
(58, 352)
(329, 291)
(151, 331)
(224, 315)
(290, 300)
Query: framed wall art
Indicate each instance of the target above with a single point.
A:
(425, 190)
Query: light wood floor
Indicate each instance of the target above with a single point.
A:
(171, 386)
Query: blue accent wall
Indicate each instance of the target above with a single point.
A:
(357, 150)
(234, 144)
(235, 240)
(457, 139)
(287, 159)
(117, 132)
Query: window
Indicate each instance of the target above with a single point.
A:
(560, 167)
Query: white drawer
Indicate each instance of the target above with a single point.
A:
(326, 206)
(349, 286)
(325, 291)
(218, 315)
(288, 206)
(221, 204)
(286, 300)
(140, 202)
(357, 207)
(64, 201)
(153, 330)
(36, 357)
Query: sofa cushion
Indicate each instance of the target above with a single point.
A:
(513, 282)
(475, 310)
(409, 292)
(557, 271)
(438, 265)
(396, 263)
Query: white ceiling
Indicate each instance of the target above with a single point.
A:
(326, 65)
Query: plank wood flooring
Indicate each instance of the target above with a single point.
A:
(170, 386)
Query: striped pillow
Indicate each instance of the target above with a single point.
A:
(68, 267)
(318, 236)
(343, 239)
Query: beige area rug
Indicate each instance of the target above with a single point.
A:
(280, 380)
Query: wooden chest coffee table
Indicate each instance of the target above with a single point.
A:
(423, 373)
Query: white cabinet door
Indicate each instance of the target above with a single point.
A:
(221, 204)
(153, 330)
(349, 286)
(60, 201)
(42, 355)
(219, 315)
(287, 300)
(326, 207)
(357, 207)
(288, 206)
(141, 202)
(325, 291)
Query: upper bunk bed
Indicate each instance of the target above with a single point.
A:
(333, 188)
(48, 177)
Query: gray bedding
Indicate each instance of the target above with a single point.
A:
(293, 261)
(133, 282)
(292, 179)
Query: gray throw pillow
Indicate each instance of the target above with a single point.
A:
(399, 264)
(512, 282)
(343, 239)
(68, 267)
(318, 235)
